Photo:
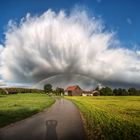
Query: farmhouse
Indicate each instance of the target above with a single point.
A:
(73, 91)
(77, 91)
(87, 93)
(91, 93)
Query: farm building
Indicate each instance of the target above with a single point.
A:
(87, 93)
(95, 93)
(73, 91)
(91, 93)
(77, 91)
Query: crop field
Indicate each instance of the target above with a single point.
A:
(110, 118)
(19, 106)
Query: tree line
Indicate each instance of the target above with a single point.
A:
(107, 91)
(48, 89)
(14, 90)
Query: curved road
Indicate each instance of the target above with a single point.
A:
(62, 121)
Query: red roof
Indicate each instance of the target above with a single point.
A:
(71, 88)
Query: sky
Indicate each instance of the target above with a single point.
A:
(121, 16)
(70, 40)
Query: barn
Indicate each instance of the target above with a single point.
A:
(73, 91)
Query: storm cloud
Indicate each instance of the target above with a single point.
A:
(40, 47)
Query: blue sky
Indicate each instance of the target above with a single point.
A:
(122, 16)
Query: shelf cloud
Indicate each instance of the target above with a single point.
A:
(57, 43)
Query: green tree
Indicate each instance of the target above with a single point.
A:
(132, 91)
(106, 91)
(97, 88)
(48, 88)
(59, 91)
(120, 92)
(124, 92)
(115, 91)
(2, 91)
(138, 92)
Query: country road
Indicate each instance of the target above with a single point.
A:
(62, 121)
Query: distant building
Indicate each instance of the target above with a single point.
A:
(73, 91)
(77, 91)
(95, 93)
(91, 93)
(87, 93)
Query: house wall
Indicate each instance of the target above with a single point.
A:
(83, 94)
(69, 93)
(66, 93)
(87, 94)
(77, 92)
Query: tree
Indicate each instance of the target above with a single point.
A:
(124, 92)
(48, 88)
(59, 91)
(132, 91)
(120, 92)
(2, 91)
(107, 91)
(138, 92)
(115, 91)
(97, 88)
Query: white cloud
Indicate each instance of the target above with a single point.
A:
(1, 49)
(138, 53)
(57, 43)
(2, 83)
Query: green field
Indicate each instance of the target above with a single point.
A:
(110, 118)
(19, 106)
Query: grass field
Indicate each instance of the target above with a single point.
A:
(19, 106)
(110, 118)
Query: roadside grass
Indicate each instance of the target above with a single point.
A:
(110, 118)
(20, 106)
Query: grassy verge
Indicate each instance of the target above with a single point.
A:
(110, 118)
(19, 106)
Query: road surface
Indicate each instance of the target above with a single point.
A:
(62, 121)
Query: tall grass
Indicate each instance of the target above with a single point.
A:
(19, 106)
(110, 118)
